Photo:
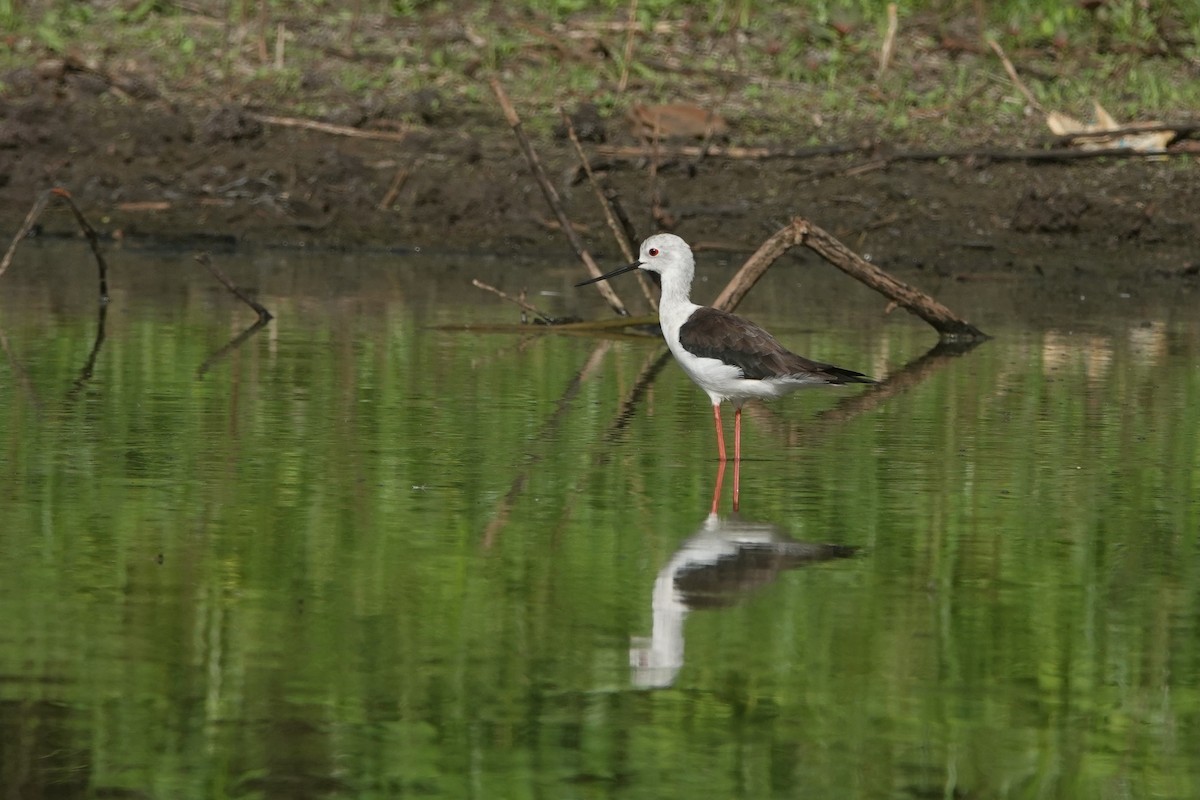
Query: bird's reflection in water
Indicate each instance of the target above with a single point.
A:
(722, 562)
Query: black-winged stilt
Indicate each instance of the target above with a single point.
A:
(727, 356)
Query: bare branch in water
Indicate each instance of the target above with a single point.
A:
(35, 213)
(802, 232)
(263, 314)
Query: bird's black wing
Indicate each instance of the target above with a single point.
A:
(710, 333)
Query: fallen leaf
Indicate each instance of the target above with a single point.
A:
(1148, 142)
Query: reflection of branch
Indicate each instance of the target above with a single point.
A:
(22, 375)
(641, 384)
(911, 374)
(548, 432)
(35, 212)
(206, 262)
(85, 374)
(232, 345)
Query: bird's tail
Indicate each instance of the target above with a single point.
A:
(840, 376)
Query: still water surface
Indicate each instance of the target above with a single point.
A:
(364, 555)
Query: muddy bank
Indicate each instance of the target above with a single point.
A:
(147, 170)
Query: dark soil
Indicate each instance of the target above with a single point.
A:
(145, 170)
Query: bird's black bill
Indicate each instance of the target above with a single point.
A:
(613, 274)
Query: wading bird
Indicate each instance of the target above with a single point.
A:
(727, 356)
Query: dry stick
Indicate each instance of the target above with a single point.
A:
(617, 231)
(31, 219)
(588, 327)
(889, 41)
(630, 152)
(262, 31)
(1030, 156)
(656, 215)
(393, 190)
(628, 56)
(263, 314)
(525, 306)
(280, 36)
(1012, 73)
(1034, 156)
(1049, 155)
(802, 232)
(355, 18)
(325, 127)
(92, 238)
(535, 166)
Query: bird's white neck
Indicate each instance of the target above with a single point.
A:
(677, 286)
(675, 305)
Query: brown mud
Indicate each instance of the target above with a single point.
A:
(147, 170)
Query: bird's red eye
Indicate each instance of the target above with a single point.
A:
(653, 251)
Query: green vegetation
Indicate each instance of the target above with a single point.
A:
(781, 70)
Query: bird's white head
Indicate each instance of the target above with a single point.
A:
(667, 254)
(670, 257)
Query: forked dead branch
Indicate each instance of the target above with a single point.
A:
(800, 231)
(35, 213)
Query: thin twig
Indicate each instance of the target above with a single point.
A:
(92, 238)
(889, 41)
(352, 33)
(658, 218)
(204, 260)
(325, 127)
(262, 31)
(35, 211)
(393, 190)
(617, 231)
(552, 199)
(629, 152)
(605, 326)
(1012, 74)
(618, 234)
(532, 309)
(630, 32)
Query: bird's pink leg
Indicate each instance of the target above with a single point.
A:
(716, 501)
(737, 434)
(737, 456)
(720, 434)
